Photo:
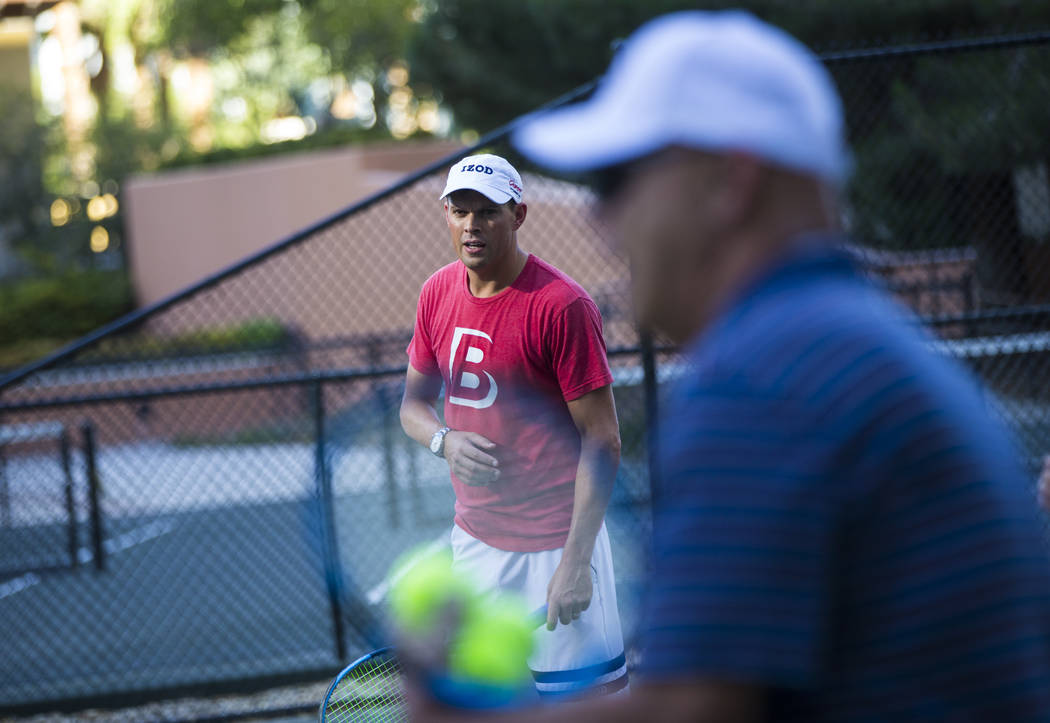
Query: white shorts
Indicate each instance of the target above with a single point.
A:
(586, 654)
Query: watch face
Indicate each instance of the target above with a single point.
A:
(435, 442)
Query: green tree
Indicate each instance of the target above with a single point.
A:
(493, 61)
(23, 202)
(197, 27)
(277, 55)
(945, 167)
(361, 36)
(37, 223)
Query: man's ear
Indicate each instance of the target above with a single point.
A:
(740, 177)
(520, 211)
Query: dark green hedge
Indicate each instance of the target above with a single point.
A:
(38, 314)
(253, 335)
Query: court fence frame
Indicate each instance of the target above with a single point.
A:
(350, 622)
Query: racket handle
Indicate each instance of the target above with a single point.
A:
(539, 615)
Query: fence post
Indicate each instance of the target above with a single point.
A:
(94, 493)
(387, 422)
(651, 389)
(329, 548)
(71, 507)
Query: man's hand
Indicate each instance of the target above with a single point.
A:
(470, 459)
(568, 593)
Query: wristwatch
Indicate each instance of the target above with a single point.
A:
(437, 442)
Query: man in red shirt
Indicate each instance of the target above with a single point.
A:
(532, 440)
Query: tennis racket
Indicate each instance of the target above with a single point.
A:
(370, 688)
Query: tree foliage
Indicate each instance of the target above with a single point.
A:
(360, 36)
(196, 27)
(23, 201)
(492, 62)
(274, 53)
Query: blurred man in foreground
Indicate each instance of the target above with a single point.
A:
(844, 533)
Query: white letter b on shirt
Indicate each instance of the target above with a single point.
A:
(469, 380)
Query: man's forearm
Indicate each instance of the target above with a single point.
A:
(595, 476)
(419, 420)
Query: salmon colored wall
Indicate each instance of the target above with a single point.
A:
(187, 224)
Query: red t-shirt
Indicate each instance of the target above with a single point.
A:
(510, 363)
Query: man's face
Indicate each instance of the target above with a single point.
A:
(657, 217)
(483, 231)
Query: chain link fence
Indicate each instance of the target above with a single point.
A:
(209, 493)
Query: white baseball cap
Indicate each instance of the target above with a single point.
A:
(487, 174)
(718, 81)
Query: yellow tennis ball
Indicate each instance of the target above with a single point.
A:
(423, 584)
(494, 644)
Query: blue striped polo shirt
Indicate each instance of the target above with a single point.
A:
(841, 521)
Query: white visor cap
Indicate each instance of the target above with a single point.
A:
(489, 175)
(718, 81)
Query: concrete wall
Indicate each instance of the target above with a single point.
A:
(184, 225)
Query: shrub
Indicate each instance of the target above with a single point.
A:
(38, 314)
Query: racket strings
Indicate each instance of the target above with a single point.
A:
(371, 691)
